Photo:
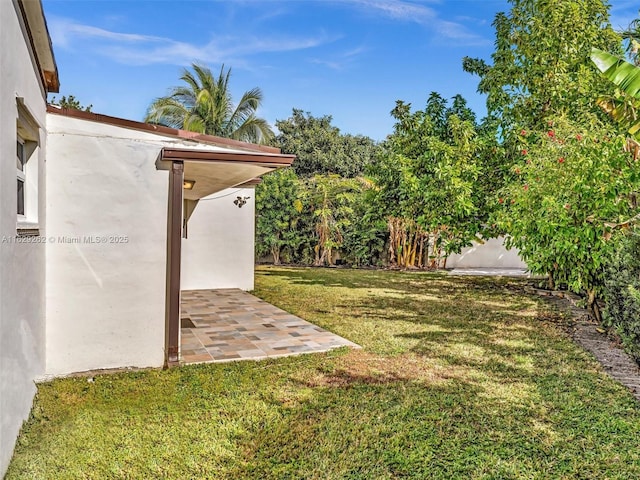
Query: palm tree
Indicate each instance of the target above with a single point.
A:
(632, 36)
(204, 105)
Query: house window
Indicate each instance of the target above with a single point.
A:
(27, 171)
(20, 165)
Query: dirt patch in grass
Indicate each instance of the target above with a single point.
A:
(364, 368)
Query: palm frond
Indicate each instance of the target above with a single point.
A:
(194, 123)
(253, 129)
(246, 108)
(623, 74)
(166, 111)
(190, 80)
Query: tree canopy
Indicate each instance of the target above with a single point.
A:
(566, 172)
(426, 179)
(71, 102)
(320, 148)
(541, 63)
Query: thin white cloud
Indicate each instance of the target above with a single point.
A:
(399, 9)
(340, 61)
(459, 33)
(328, 63)
(423, 15)
(136, 49)
(63, 31)
(354, 52)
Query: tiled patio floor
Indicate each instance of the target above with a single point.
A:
(225, 325)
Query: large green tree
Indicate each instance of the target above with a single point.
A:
(566, 175)
(309, 220)
(427, 181)
(572, 193)
(205, 105)
(321, 148)
(540, 67)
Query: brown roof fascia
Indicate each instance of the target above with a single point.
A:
(162, 130)
(263, 159)
(31, 13)
(53, 84)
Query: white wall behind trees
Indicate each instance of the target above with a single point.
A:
(491, 254)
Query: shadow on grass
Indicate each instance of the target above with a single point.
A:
(385, 279)
(516, 400)
(403, 428)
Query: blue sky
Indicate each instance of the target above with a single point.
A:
(351, 59)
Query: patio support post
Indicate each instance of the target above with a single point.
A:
(174, 244)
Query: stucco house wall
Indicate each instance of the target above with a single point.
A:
(106, 248)
(219, 249)
(106, 245)
(491, 254)
(22, 265)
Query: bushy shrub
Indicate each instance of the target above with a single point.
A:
(622, 293)
(279, 216)
(366, 237)
(316, 220)
(571, 189)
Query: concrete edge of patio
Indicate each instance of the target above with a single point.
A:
(268, 357)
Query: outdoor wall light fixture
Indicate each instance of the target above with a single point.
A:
(188, 184)
(240, 201)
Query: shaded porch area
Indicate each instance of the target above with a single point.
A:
(230, 324)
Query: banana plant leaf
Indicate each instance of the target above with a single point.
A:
(625, 75)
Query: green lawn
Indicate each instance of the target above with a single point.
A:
(457, 378)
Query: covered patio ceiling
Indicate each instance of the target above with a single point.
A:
(195, 173)
(210, 171)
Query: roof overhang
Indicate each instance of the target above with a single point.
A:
(213, 163)
(40, 41)
(213, 171)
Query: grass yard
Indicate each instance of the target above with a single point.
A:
(457, 378)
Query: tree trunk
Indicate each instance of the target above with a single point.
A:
(592, 305)
(404, 248)
(275, 252)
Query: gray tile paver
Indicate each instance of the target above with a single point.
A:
(234, 325)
